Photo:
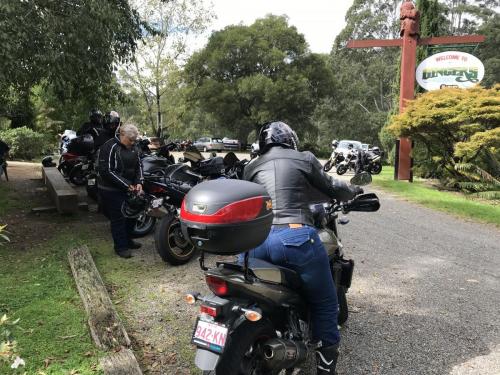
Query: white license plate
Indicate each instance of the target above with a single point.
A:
(91, 182)
(156, 203)
(85, 167)
(211, 336)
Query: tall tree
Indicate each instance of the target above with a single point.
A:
(153, 70)
(247, 75)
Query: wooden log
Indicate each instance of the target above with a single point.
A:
(63, 195)
(121, 363)
(105, 325)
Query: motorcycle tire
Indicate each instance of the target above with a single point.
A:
(235, 360)
(77, 176)
(328, 166)
(144, 225)
(343, 308)
(170, 243)
(376, 168)
(341, 169)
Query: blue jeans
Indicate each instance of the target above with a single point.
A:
(121, 227)
(301, 250)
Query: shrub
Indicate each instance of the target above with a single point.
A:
(25, 143)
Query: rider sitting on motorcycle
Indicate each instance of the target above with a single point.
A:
(291, 178)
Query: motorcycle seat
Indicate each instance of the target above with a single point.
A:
(272, 273)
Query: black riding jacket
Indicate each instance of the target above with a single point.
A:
(293, 179)
(90, 128)
(118, 167)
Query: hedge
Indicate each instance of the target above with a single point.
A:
(25, 143)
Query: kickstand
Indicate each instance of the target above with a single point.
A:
(202, 261)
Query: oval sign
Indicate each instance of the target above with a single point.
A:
(450, 69)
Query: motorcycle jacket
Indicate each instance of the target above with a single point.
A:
(90, 128)
(118, 166)
(293, 179)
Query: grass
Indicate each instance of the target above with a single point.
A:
(9, 201)
(453, 203)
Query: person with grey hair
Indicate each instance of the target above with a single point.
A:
(120, 171)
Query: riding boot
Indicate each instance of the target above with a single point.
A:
(326, 360)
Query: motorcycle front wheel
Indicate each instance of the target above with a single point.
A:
(241, 355)
(376, 168)
(341, 169)
(170, 243)
(328, 165)
(144, 225)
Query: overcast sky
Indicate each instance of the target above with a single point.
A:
(319, 20)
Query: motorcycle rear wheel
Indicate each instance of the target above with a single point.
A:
(240, 355)
(343, 307)
(170, 242)
(144, 225)
(376, 168)
(78, 176)
(328, 166)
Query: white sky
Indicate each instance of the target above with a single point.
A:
(319, 20)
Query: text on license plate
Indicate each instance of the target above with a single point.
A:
(210, 335)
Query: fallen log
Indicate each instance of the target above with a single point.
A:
(121, 363)
(105, 325)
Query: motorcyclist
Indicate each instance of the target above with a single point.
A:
(111, 124)
(335, 144)
(292, 178)
(93, 126)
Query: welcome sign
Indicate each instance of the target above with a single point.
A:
(450, 69)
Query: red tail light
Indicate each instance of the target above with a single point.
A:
(244, 210)
(212, 311)
(69, 156)
(155, 189)
(216, 285)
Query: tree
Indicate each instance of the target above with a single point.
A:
(154, 69)
(247, 75)
(488, 51)
(70, 46)
(457, 127)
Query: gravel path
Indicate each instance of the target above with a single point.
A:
(425, 297)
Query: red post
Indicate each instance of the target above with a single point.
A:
(407, 87)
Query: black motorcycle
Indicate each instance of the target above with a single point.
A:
(255, 321)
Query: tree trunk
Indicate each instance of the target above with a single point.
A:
(121, 363)
(158, 117)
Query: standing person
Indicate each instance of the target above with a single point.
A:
(292, 178)
(108, 131)
(120, 171)
(93, 126)
(4, 151)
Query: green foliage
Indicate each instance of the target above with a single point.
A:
(488, 51)
(25, 143)
(247, 75)
(3, 235)
(479, 183)
(454, 127)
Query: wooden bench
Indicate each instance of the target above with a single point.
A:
(63, 195)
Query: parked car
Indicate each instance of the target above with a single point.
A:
(231, 144)
(343, 146)
(209, 144)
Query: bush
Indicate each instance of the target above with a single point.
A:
(25, 143)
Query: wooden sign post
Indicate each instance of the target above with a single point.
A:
(409, 41)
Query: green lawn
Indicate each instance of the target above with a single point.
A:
(428, 196)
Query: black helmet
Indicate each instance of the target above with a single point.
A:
(134, 205)
(95, 116)
(335, 143)
(277, 133)
(112, 120)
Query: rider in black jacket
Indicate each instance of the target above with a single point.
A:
(94, 126)
(120, 171)
(295, 179)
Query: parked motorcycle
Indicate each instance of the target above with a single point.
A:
(255, 321)
(348, 162)
(77, 158)
(372, 161)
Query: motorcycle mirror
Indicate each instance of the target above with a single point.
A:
(361, 179)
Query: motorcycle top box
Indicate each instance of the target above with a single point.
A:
(226, 217)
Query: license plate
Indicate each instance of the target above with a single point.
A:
(156, 203)
(91, 182)
(211, 336)
(85, 167)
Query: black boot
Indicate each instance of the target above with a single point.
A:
(134, 245)
(326, 360)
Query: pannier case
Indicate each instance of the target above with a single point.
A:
(226, 217)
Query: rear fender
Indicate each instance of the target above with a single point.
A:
(206, 360)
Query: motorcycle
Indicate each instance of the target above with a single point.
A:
(255, 321)
(77, 158)
(372, 161)
(335, 159)
(348, 163)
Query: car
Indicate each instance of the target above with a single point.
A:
(343, 146)
(209, 144)
(231, 144)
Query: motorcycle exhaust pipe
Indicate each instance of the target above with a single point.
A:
(281, 354)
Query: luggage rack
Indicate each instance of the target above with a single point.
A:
(246, 269)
